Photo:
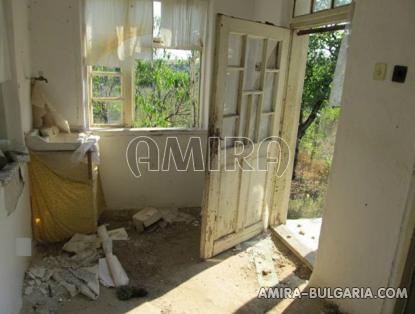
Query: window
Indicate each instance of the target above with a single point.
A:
(167, 89)
(106, 95)
(304, 7)
(161, 89)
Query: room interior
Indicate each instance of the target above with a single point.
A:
(368, 225)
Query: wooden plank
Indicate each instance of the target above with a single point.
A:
(289, 125)
(234, 239)
(212, 178)
(234, 68)
(272, 70)
(304, 253)
(252, 92)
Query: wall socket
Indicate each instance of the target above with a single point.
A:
(379, 73)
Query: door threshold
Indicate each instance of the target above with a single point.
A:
(304, 253)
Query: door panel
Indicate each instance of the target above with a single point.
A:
(249, 78)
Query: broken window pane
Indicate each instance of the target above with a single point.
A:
(320, 5)
(338, 3)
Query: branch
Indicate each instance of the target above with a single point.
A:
(302, 128)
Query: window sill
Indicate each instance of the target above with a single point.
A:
(103, 132)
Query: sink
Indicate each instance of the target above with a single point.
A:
(60, 142)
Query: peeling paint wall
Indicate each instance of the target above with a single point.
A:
(374, 157)
(17, 112)
(13, 267)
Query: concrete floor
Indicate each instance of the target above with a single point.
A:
(166, 262)
(307, 230)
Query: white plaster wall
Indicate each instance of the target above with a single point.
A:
(56, 51)
(12, 267)
(277, 12)
(161, 189)
(16, 92)
(373, 159)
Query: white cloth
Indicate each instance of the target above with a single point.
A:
(183, 23)
(88, 142)
(5, 73)
(118, 31)
(336, 92)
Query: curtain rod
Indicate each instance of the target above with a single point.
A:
(321, 30)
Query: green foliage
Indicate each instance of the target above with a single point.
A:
(317, 145)
(321, 63)
(106, 112)
(167, 91)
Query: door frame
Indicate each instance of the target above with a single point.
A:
(293, 96)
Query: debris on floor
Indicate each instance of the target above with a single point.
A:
(125, 293)
(261, 256)
(78, 269)
(119, 234)
(151, 219)
(146, 217)
(176, 215)
(114, 266)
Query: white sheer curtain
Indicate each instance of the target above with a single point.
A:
(4, 47)
(118, 31)
(183, 23)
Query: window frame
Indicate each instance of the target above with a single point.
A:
(91, 97)
(128, 90)
(312, 10)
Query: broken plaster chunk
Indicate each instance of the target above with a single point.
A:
(118, 234)
(28, 290)
(37, 272)
(80, 242)
(146, 217)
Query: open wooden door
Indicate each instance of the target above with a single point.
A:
(249, 81)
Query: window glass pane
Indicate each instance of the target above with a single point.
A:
(107, 112)
(235, 50)
(273, 54)
(103, 68)
(338, 3)
(255, 47)
(302, 7)
(269, 89)
(231, 92)
(167, 89)
(106, 86)
(265, 127)
(321, 5)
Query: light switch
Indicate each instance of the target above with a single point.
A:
(379, 73)
(399, 73)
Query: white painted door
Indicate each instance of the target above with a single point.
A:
(249, 79)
